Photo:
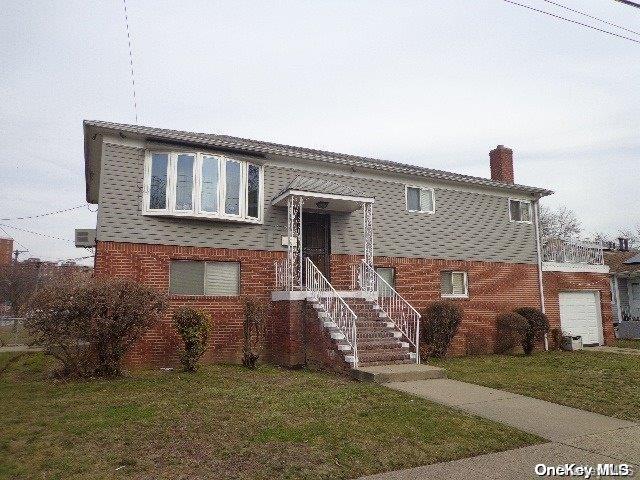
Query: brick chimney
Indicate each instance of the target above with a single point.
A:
(501, 161)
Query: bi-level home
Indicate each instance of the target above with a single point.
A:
(347, 250)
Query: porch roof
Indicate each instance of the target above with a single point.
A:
(339, 197)
(622, 263)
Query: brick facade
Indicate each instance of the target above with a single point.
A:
(293, 336)
(6, 251)
(556, 282)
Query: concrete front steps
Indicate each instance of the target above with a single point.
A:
(379, 343)
(397, 373)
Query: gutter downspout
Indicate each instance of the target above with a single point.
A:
(536, 217)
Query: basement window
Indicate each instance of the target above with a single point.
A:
(420, 199)
(188, 277)
(454, 285)
(202, 185)
(519, 211)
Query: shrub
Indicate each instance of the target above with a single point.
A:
(538, 325)
(511, 329)
(193, 327)
(254, 321)
(89, 324)
(476, 343)
(555, 339)
(438, 326)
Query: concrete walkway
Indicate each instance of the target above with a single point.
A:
(623, 351)
(576, 436)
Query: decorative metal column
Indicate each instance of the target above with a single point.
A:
(294, 243)
(368, 281)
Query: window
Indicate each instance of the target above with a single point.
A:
(519, 211)
(203, 185)
(454, 284)
(204, 278)
(420, 200)
(389, 276)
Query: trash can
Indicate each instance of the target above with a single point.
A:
(572, 342)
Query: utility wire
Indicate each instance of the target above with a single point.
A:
(591, 16)
(630, 3)
(36, 233)
(7, 234)
(43, 214)
(133, 78)
(572, 21)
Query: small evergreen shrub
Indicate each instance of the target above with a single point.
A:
(538, 325)
(511, 329)
(193, 327)
(438, 326)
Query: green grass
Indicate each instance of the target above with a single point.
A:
(225, 422)
(605, 383)
(627, 343)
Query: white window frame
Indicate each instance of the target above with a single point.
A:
(455, 295)
(196, 194)
(528, 202)
(204, 273)
(406, 199)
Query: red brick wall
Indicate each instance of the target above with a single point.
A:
(6, 250)
(555, 282)
(149, 264)
(493, 287)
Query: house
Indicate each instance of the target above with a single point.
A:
(6, 251)
(346, 249)
(624, 267)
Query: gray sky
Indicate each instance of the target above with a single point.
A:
(432, 83)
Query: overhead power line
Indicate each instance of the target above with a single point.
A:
(591, 16)
(133, 78)
(9, 236)
(572, 21)
(36, 233)
(44, 214)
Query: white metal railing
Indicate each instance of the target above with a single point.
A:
(572, 251)
(284, 279)
(398, 310)
(333, 304)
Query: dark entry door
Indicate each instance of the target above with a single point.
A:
(316, 240)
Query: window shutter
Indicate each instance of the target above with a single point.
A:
(186, 278)
(457, 283)
(426, 200)
(222, 278)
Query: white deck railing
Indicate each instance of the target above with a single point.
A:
(572, 251)
(333, 304)
(398, 310)
(284, 279)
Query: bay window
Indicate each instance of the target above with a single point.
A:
(203, 185)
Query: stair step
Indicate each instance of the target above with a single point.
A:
(377, 345)
(383, 356)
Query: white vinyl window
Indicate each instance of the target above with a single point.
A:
(519, 211)
(194, 184)
(420, 199)
(454, 285)
(188, 277)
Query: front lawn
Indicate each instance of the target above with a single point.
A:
(225, 422)
(605, 383)
(622, 343)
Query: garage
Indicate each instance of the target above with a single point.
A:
(580, 315)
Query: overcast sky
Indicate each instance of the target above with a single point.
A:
(432, 83)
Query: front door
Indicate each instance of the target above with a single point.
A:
(316, 240)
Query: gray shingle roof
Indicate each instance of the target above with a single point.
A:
(314, 185)
(226, 141)
(632, 260)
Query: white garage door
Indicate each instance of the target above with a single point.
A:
(580, 315)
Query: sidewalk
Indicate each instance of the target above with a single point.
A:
(621, 350)
(576, 436)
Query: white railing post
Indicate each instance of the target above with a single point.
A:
(572, 251)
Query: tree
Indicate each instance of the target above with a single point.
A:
(18, 281)
(633, 236)
(559, 222)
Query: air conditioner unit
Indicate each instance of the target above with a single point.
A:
(85, 237)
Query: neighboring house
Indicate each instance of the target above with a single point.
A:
(625, 283)
(6, 251)
(346, 249)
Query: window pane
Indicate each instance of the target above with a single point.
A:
(232, 198)
(447, 285)
(525, 211)
(426, 200)
(457, 283)
(186, 277)
(158, 187)
(222, 278)
(413, 199)
(253, 190)
(514, 209)
(184, 182)
(388, 276)
(209, 196)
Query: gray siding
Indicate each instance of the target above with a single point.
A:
(466, 225)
